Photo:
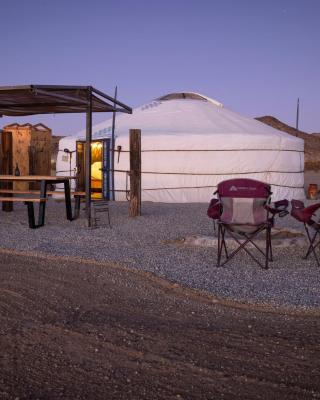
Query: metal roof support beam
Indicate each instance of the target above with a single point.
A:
(128, 109)
(59, 96)
(59, 87)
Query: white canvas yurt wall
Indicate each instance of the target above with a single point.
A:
(191, 142)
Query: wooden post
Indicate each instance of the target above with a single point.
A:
(135, 173)
(6, 165)
(88, 155)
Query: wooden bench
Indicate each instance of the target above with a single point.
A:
(13, 191)
(51, 192)
(78, 195)
(8, 191)
(29, 202)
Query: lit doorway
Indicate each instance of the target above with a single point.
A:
(100, 168)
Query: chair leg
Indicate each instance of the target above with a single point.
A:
(225, 245)
(267, 254)
(311, 246)
(214, 226)
(268, 246)
(219, 255)
(311, 241)
(220, 243)
(242, 246)
(268, 241)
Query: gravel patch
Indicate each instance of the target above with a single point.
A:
(144, 243)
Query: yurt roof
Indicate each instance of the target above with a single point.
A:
(188, 113)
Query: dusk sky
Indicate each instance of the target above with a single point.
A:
(254, 56)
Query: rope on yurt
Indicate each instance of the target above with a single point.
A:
(211, 150)
(202, 187)
(222, 150)
(211, 173)
(214, 186)
(229, 173)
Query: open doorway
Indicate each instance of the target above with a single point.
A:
(100, 168)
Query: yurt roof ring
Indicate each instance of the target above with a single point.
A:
(189, 96)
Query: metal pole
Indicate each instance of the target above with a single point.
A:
(88, 154)
(297, 117)
(113, 142)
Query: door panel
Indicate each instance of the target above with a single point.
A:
(106, 170)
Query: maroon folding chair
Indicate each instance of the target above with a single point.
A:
(309, 218)
(243, 211)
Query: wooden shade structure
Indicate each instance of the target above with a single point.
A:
(25, 100)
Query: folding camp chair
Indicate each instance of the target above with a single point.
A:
(243, 211)
(309, 218)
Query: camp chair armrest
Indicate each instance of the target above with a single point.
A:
(303, 214)
(214, 209)
(297, 204)
(281, 204)
(278, 207)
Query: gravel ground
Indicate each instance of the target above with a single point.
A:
(93, 330)
(142, 243)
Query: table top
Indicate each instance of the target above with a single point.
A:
(34, 178)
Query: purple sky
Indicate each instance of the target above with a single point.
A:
(255, 56)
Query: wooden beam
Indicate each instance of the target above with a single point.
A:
(6, 164)
(135, 173)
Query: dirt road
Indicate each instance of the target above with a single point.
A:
(80, 330)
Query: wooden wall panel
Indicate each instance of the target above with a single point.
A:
(41, 145)
(31, 151)
(40, 153)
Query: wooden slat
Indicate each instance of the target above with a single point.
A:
(21, 199)
(33, 178)
(12, 191)
(51, 192)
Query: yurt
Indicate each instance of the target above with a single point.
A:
(189, 144)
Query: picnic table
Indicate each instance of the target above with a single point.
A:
(40, 196)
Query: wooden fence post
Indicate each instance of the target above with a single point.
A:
(135, 173)
(6, 165)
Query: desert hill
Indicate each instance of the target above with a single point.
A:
(311, 141)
